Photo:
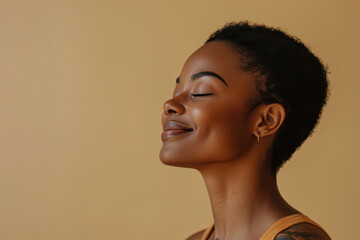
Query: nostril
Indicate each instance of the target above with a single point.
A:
(171, 111)
(173, 106)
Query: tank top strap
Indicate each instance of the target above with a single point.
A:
(208, 232)
(279, 226)
(286, 222)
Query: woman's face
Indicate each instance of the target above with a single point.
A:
(208, 118)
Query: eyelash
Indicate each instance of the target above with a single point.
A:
(201, 95)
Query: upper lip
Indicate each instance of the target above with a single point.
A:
(173, 125)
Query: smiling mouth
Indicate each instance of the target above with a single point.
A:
(172, 129)
(172, 133)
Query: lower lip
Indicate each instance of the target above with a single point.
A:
(172, 133)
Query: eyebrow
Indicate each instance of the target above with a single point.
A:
(202, 74)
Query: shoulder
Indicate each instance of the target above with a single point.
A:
(197, 236)
(302, 231)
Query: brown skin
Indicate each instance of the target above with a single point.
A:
(217, 135)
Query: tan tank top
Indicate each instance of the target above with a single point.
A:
(279, 226)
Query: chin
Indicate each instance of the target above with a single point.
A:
(176, 160)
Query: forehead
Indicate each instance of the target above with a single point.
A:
(218, 56)
(221, 58)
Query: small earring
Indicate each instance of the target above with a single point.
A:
(265, 131)
(258, 138)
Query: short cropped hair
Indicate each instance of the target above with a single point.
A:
(286, 72)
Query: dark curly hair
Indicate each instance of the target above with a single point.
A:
(286, 72)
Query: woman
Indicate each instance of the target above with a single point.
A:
(243, 103)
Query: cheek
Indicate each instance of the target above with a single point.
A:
(223, 133)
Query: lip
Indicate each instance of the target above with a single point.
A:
(173, 128)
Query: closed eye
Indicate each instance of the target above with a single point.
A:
(201, 95)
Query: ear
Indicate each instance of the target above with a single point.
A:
(270, 118)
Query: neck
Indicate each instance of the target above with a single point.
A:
(245, 200)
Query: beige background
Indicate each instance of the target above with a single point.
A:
(81, 90)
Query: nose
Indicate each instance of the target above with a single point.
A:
(173, 106)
